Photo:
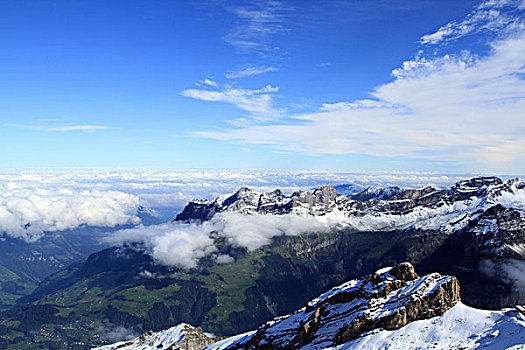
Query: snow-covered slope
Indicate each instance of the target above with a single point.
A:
(181, 337)
(461, 327)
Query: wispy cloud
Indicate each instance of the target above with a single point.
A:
(208, 81)
(490, 16)
(76, 128)
(249, 72)
(325, 64)
(258, 102)
(258, 22)
(510, 271)
(50, 120)
(460, 108)
(82, 127)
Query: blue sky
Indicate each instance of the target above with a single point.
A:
(347, 85)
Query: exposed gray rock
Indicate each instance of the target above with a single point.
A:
(180, 337)
(389, 299)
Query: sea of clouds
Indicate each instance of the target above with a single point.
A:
(183, 244)
(34, 202)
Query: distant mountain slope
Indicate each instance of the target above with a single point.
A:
(23, 265)
(391, 309)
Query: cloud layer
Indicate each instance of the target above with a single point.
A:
(183, 244)
(27, 214)
(60, 199)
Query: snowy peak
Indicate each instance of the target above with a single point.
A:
(388, 299)
(248, 201)
(244, 200)
(180, 337)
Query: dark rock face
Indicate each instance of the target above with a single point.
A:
(377, 193)
(389, 299)
(198, 211)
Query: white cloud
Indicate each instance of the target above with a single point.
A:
(489, 16)
(82, 127)
(258, 103)
(224, 259)
(172, 243)
(456, 108)
(118, 333)
(255, 231)
(249, 72)
(511, 271)
(183, 244)
(27, 214)
(209, 82)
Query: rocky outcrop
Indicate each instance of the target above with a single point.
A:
(181, 337)
(389, 299)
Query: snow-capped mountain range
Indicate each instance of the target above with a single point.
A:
(466, 205)
(393, 308)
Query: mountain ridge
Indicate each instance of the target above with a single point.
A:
(386, 209)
